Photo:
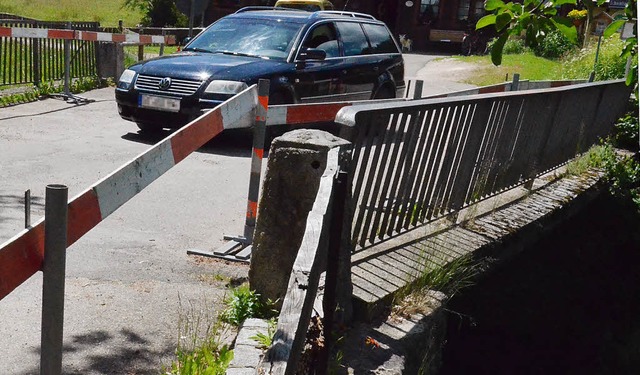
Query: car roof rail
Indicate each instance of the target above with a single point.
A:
(258, 7)
(345, 13)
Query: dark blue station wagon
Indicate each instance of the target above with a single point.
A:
(308, 57)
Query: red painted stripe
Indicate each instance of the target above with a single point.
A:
(486, 90)
(314, 113)
(21, 259)
(170, 39)
(60, 34)
(263, 101)
(560, 83)
(145, 39)
(192, 137)
(252, 210)
(84, 215)
(5, 31)
(119, 38)
(258, 152)
(89, 36)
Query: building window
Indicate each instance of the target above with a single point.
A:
(429, 11)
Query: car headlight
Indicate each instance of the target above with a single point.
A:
(225, 87)
(126, 78)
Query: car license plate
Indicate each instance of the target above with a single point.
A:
(159, 102)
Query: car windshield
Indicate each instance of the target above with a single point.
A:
(264, 38)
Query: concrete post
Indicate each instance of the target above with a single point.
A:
(110, 60)
(294, 168)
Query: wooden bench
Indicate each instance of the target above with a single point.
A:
(450, 36)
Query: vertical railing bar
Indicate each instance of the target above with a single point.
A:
(405, 147)
(443, 154)
(421, 156)
(392, 170)
(503, 140)
(374, 126)
(452, 159)
(443, 124)
(478, 186)
(430, 162)
(414, 158)
(378, 172)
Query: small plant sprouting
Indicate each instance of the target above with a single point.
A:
(266, 339)
(244, 303)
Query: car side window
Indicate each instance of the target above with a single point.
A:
(323, 37)
(353, 38)
(380, 39)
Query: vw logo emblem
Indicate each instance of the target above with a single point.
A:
(165, 83)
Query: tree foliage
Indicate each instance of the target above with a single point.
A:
(158, 13)
(536, 19)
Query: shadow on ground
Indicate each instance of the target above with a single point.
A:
(126, 352)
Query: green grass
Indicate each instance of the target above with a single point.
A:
(527, 65)
(107, 12)
(576, 65)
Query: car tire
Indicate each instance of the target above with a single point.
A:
(384, 92)
(148, 128)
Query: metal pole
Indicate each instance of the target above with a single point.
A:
(259, 131)
(67, 63)
(27, 208)
(53, 271)
(592, 76)
(191, 15)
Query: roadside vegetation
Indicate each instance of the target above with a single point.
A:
(107, 12)
(202, 348)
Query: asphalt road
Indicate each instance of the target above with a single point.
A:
(130, 284)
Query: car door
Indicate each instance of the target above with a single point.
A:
(319, 80)
(360, 71)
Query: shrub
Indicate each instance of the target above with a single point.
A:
(610, 65)
(625, 133)
(553, 46)
(513, 46)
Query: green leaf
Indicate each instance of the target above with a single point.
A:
(563, 2)
(567, 28)
(613, 28)
(503, 20)
(487, 20)
(496, 49)
(492, 5)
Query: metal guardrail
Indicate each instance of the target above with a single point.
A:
(418, 161)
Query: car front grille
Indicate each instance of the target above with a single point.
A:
(181, 87)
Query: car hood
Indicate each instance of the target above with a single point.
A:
(204, 66)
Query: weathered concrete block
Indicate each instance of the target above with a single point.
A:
(110, 60)
(294, 168)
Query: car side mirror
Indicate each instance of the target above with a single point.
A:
(312, 54)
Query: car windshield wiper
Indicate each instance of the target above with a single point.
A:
(238, 54)
(196, 49)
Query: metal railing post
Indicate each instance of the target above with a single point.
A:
(53, 270)
(27, 208)
(67, 63)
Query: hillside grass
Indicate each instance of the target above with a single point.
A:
(107, 12)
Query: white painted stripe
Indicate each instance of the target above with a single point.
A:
(132, 38)
(116, 189)
(277, 115)
(239, 111)
(23, 32)
(157, 39)
(105, 37)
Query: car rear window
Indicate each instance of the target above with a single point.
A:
(268, 38)
(380, 39)
(353, 38)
